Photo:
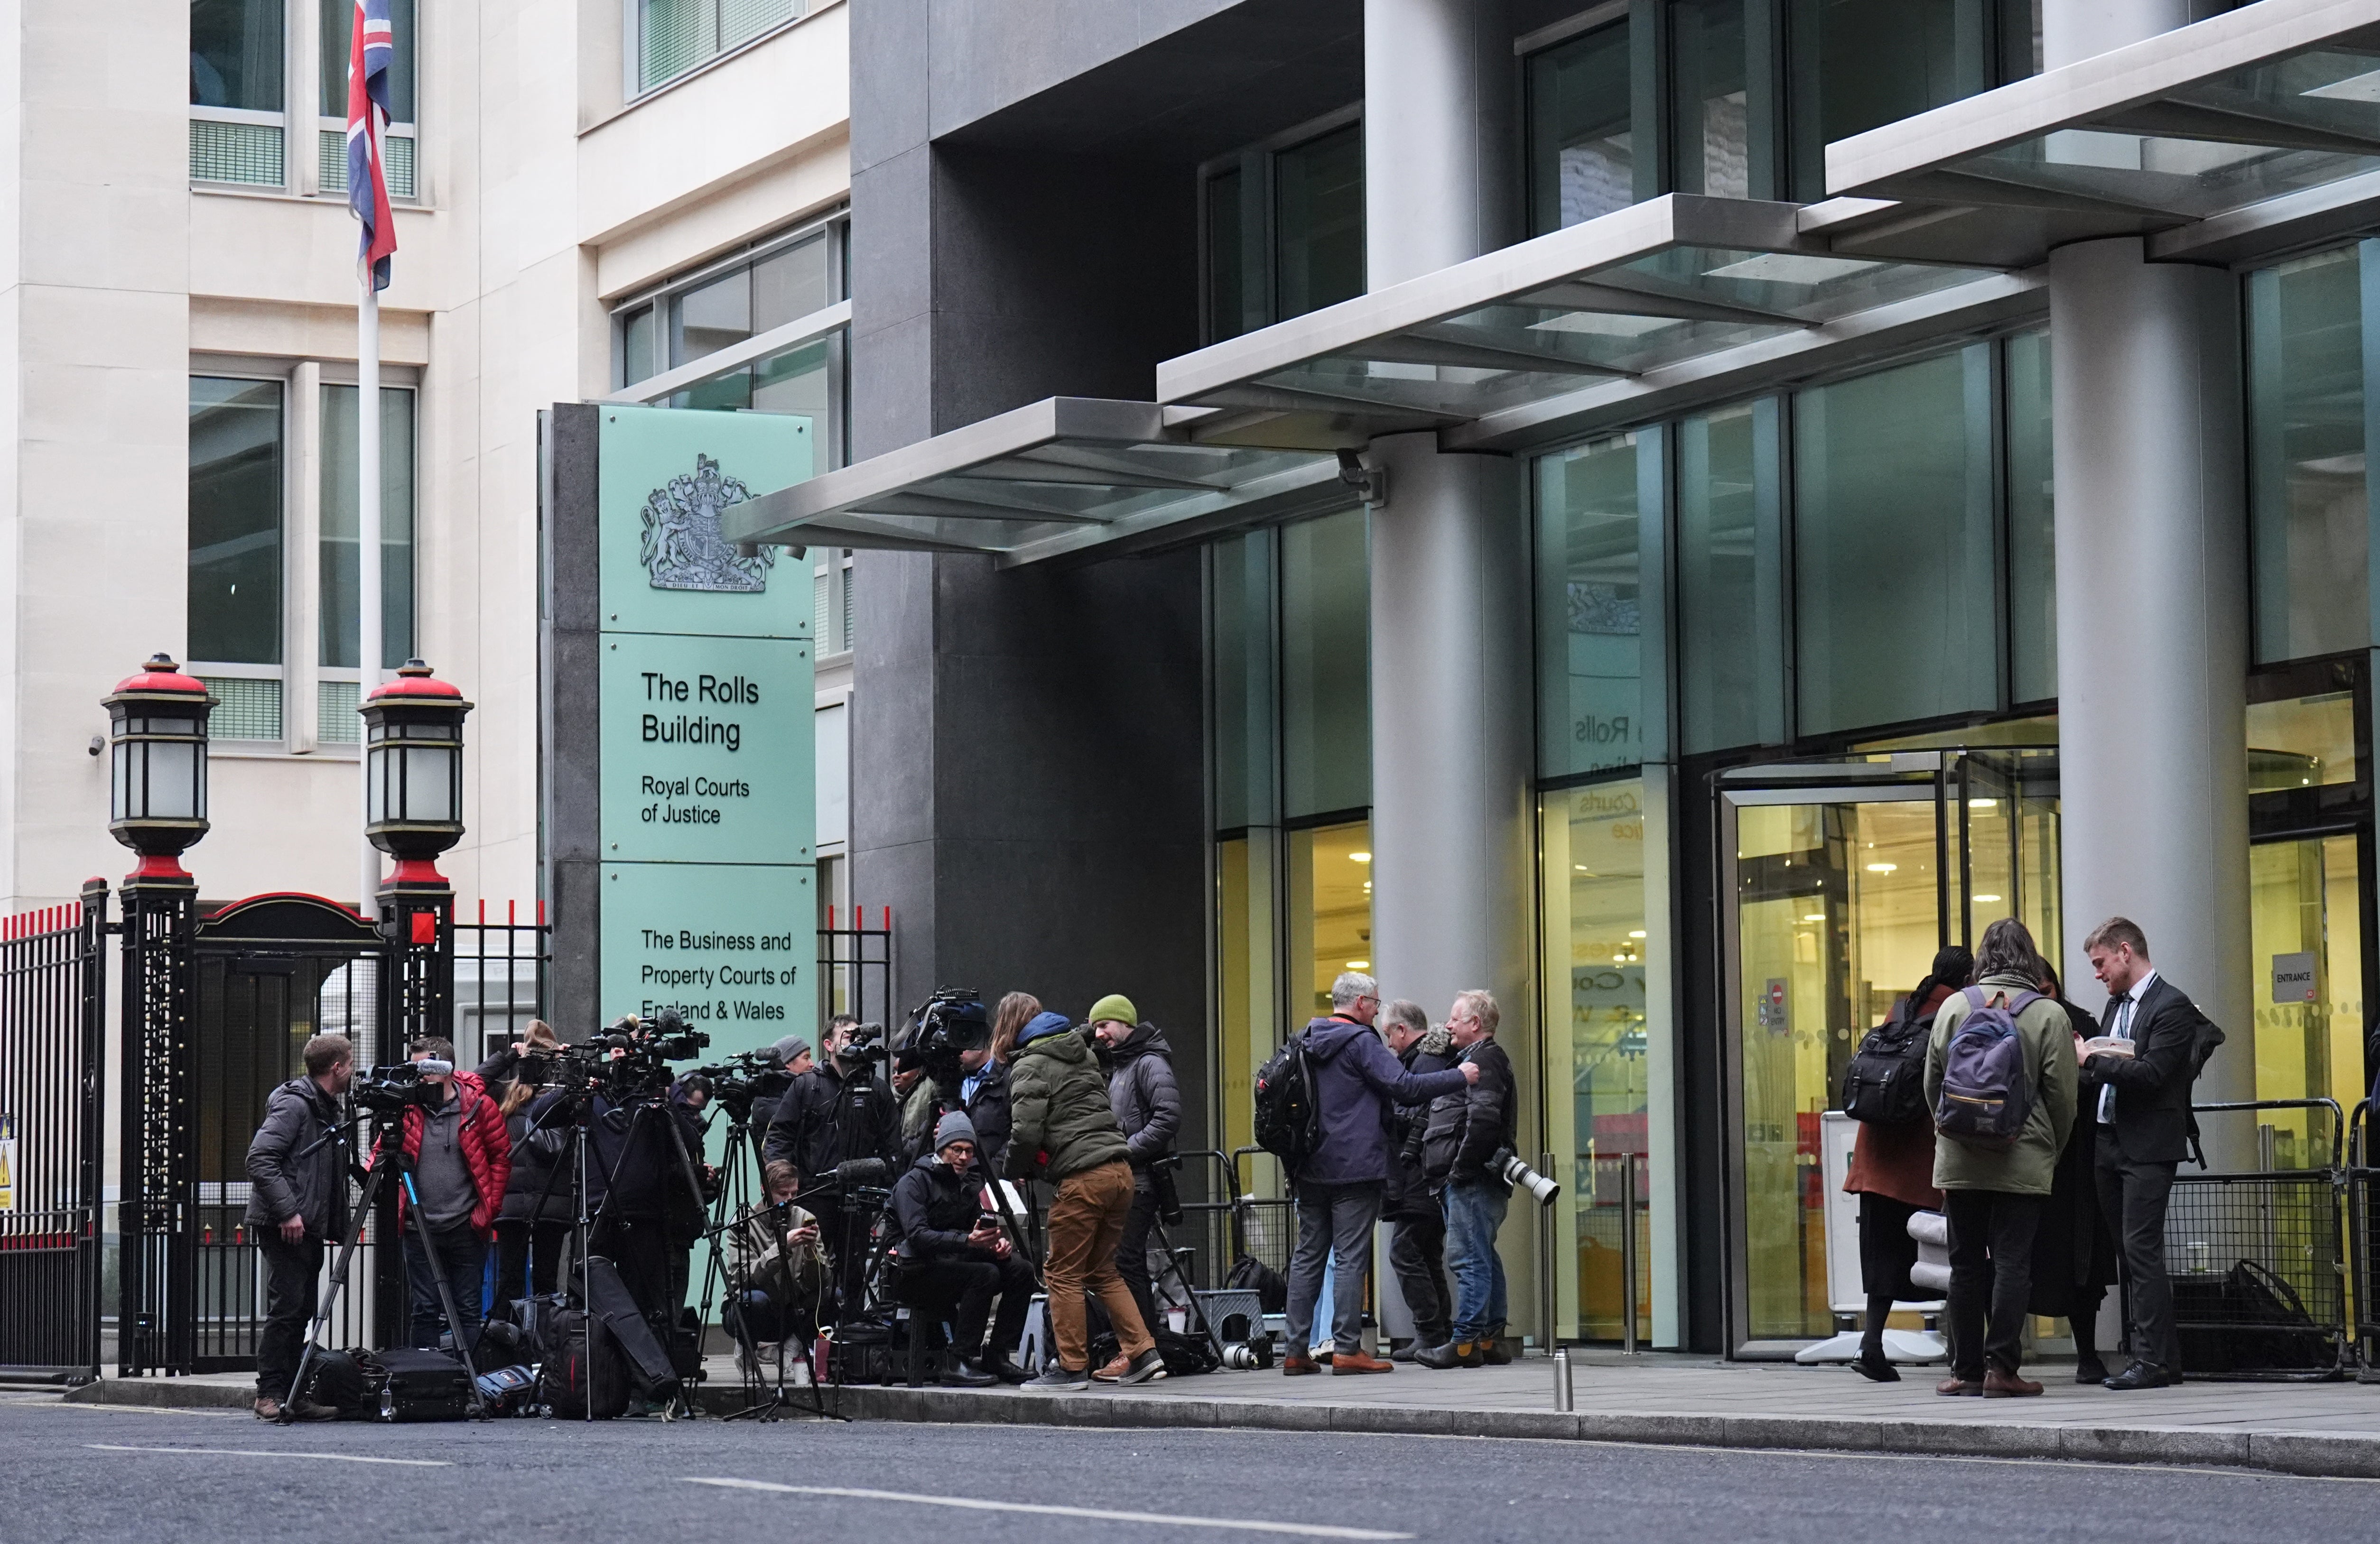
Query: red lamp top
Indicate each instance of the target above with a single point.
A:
(415, 683)
(161, 674)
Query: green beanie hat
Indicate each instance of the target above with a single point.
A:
(1115, 1004)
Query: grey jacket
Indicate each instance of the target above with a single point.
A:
(1146, 1099)
(282, 1183)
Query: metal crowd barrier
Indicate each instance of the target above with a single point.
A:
(2259, 1261)
(2364, 1236)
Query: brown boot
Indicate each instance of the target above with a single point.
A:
(1358, 1361)
(1954, 1385)
(2008, 1385)
(1297, 1364)
(267, 1408)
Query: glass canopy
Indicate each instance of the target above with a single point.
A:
(1671, 280)
(2274, 100)
(1042, 481)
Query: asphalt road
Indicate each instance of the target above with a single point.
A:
(75, 1473)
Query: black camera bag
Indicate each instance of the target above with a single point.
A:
(421, 1385)
(648, 1362)
(583, 1367)
(337, 1380)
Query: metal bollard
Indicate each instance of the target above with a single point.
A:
(1563, 1393)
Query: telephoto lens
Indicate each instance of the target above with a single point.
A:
(1518, 1173)
(1248, 1356)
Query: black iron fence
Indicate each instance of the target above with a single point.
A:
(2259, 1261)
(856, 965)
(2363, 1238)
(52, 1067)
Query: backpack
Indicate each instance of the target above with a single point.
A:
(335, 1378)
(584, 1376)
(1986, 1092)
(1886, 1082)
(1288, 1118)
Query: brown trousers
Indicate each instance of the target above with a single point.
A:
(1086, 1224)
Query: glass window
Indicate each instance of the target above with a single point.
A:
(1896, 585)
(1243, 681)
(1599, 1040)
(1326, 665)
(2033, 523)
(1585, 155)
(2305, 901)
(235, 54)
(1856, 64)
(1330, 912)
(1248, 988)
(337, 555)
(706, 320)
(1226, 263)
(1319, 221)
(338, 22)
(791, 284)
(2301, 742)
(1730, 633)
(638, 356)
(2311, 513)
(1592, 707)
(673, 36)
(235, 500)
(1723, 110)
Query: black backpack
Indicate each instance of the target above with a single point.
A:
(337, 1380)
(584, 1376)
(1885, 1084)
(1288, 1118)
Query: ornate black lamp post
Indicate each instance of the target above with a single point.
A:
(157, 763)
(413, 736)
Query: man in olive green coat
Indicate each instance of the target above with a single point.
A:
(1992, 1196)
(1064, 1131)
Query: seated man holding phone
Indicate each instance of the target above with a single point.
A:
(955, 1257)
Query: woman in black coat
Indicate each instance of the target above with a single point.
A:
(2074, 1251)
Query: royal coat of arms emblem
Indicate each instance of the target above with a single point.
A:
(683, 547)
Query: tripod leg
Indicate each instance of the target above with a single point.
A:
(446, 1300)
(331, 1294)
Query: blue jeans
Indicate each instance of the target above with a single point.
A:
(1475, 1210)
(463, 1259)
(1334, 1226)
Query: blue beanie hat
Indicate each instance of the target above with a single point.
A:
(1043, 1024)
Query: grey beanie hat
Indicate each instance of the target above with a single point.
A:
(955, 1127)
(787, 1049)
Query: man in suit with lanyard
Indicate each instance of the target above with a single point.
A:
(2144, 1130)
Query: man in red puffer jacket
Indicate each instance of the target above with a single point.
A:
(459, 1158)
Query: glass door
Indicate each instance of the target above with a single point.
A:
(1842, 881)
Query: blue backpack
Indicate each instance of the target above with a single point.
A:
(1986, 1092)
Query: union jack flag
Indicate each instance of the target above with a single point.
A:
(369, 52)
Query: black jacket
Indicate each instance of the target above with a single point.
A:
(540, 1133)
(636, 1159)
(298, 1115)
(1408, 1178)
(935, 1209)
(2152, 1111)
(817, 1125)
(988, 1111)
(1146, 1099)
(1469, 1126)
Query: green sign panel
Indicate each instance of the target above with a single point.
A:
(708, 772)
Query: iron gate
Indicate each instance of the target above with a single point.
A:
(53, 982)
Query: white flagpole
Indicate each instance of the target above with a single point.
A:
(368, 581)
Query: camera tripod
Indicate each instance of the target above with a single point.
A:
(388, 1157)
(733, 1210)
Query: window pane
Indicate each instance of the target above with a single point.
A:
(1730, 639)
(1226, 276)
(337, 555)
(674, 36)
(790, 285)
(234, 595)
(2301, 742)
(1319, 221)
(1329, 912)
(1582, 140)
(2032, 524)
(1893, 517)
(795, 381)
(1589, 666)
(707, 320)
(1243, 681)
(338, 20)
(1723, 135)
(1860, 64)
(2310, 502)
(236, 54)
(1326, 665)
(636, 353)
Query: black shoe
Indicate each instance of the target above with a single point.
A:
(2091, 1371)
(1495, 1351)
(2141, 1375)
(1146, 1368)
(1006, 1370)
(1873, 1367)
(966, 1375)
(1448, 1355)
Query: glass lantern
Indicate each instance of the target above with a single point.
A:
(413, 737)
(157, 765)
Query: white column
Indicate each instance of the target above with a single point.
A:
(1437, 135)
(2153, 605)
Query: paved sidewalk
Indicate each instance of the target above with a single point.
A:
(2320, 1429)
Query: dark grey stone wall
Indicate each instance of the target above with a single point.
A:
(570, 821)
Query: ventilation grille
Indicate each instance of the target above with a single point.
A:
(335, 721)
(332, 162)
(248, 709)
(247, 153)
